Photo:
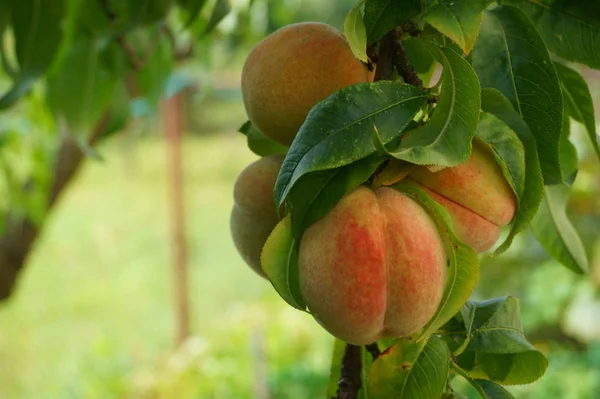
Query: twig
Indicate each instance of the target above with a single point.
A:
(135, 62)
(373, 350)
(385, 68)
(349, 383)
(405, 68)
(393, 56)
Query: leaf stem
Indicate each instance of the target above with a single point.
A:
(10, 70)
(462, 346)
(135, 62)
(466, 376)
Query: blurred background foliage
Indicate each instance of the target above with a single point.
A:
(92, 316)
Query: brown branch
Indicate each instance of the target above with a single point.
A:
(349, 383)
(374, 350)
(385, 68)
(405, 68)
(393, 56)
(19, 234)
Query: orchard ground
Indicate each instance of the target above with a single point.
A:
(93, 314)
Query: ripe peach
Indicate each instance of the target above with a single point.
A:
(476, 195)
(293, 69)
(373, 267)
(254, 215)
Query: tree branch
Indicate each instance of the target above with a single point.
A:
(349, 383)
(373, 350)
(393, 56)
(19, 234)
(385, 68)
(135, 62)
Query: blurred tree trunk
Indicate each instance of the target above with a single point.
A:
(172, 116)
(20, 234)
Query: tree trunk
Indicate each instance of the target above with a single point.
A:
(20, 234)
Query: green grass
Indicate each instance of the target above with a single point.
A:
(93, 314)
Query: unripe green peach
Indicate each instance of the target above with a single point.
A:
(373, 267)
(293, 69)
(254, 215)
(476, 195)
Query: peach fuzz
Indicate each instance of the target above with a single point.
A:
(254, 215)
(293, 69)
(373, 267)
(475, 193)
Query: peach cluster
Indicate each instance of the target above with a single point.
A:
(375, 265)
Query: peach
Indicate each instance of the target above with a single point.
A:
(475, 194)
(293, 69)
(254, 214)
(373, 267)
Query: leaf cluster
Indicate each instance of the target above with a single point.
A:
(506, 81)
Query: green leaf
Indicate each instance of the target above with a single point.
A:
(193, 7)
(463, 270)
(497, 327)
(446, 139)
(507, 148)
(222, 8)
(513, 368)
(131, 14)
(569, 161)
(317, 193)
(418, 52)
(279, 261)
(458, 19)
(335, 369)
(494, 102)
(367, 364)
(486, 389)
(37, 37)
(502, 352)
(510, 55)
(356, 33)
(493, 390)
(4, 14)
(119, 112)
(78, 88)
(578, 101)
(339, 130)
(411, 369)
(154, 75)
(381, 16)
(570, 28)
(555, 233)
(260, 144)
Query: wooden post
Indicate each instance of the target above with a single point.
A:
(172, 121)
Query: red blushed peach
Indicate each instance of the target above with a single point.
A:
(476, 195)
(373, 267)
